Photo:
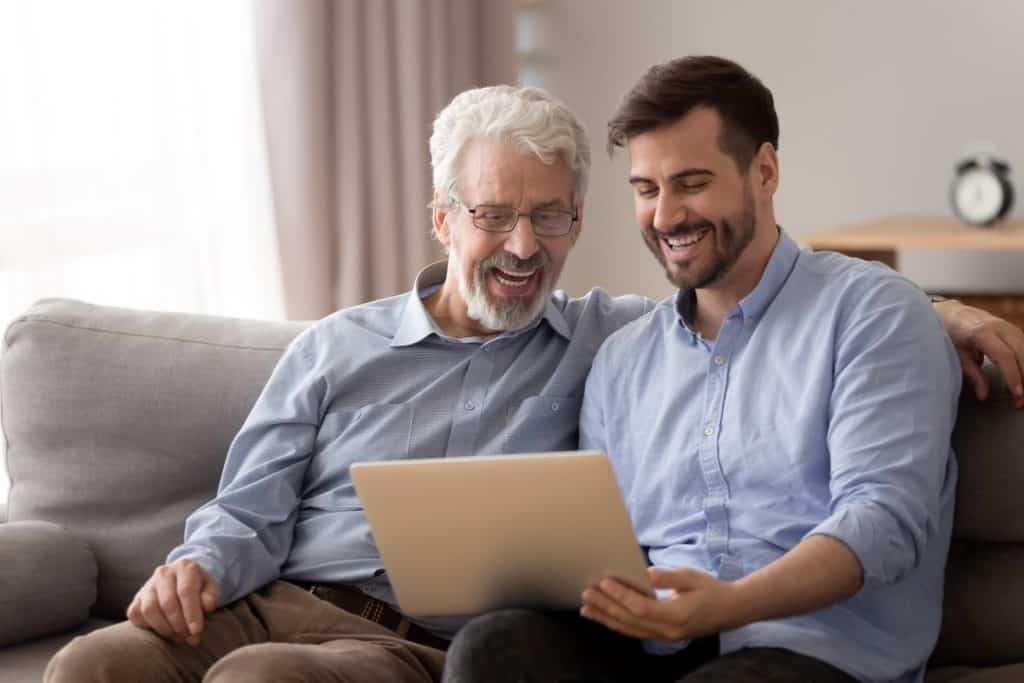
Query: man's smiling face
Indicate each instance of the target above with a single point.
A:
(695, 209)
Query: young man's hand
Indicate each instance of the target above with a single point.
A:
(173, 602)
(699, 605)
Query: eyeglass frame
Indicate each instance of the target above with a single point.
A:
(517, 214)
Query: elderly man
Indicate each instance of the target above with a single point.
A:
(780, 429)
(278, 578)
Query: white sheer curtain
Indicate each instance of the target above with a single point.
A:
(132, 159)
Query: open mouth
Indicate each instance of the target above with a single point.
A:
(684, 242)
(514, 280)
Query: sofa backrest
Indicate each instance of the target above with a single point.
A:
(983, 620)
(117, 422)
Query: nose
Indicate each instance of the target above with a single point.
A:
(668, 212)
(521, 241)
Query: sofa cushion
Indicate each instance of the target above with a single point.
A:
(47, 581)
(26, 662)
(989, 443)
(117, 423)
(982, 623)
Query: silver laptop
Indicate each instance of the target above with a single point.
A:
(468, 535)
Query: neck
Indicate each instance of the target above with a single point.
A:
(449, 312)
(717, 300)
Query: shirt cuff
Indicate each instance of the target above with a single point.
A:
(877, 542)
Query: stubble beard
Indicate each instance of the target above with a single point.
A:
(730, 241)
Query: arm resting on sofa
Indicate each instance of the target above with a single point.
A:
(47, 580)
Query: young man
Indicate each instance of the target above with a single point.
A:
(780, 430)
(278, 577)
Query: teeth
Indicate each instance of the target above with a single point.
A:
(678, 242)
(512, 279)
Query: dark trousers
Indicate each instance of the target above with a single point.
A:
(523, 646)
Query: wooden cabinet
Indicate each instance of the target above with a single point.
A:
(882, 240)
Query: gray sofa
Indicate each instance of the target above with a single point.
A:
(116, 423)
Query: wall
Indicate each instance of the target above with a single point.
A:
(876, 99)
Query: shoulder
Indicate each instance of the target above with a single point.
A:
(351, 328)
(599, 313)
(624, 346)
(851, 286)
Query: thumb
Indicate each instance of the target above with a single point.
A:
(679, 579)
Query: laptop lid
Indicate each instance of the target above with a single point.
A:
(466, 535)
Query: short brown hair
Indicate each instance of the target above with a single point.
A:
(667, 92)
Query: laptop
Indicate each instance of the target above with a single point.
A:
(462, 536)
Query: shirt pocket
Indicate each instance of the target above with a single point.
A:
(543, 423)
(376, 431)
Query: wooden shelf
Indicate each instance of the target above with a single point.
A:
(890, 234)
(882, 240)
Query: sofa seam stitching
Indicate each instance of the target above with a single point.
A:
(30, 319)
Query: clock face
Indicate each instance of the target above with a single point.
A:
(978, 196)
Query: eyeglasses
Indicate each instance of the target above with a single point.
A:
(545, 222)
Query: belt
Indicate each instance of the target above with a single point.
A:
(356, 602)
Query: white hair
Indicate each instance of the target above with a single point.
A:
(530, 119)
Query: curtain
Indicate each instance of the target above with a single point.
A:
(133, 166)
(133, 169)
(349, 90)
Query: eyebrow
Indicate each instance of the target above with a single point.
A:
(681, 175)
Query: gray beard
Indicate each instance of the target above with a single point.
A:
(503, 314)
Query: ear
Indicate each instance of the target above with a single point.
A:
(439, 215)
(766, 169)
(577, 227)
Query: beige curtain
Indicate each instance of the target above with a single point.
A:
(349, 89)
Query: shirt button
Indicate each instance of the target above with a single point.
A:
(712, 532)
(709, 430)
(719, 360)
(470, 405)
(555, 407)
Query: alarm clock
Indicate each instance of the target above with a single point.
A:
(981, 193)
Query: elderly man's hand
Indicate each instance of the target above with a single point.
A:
(174, 600)
(976, 334)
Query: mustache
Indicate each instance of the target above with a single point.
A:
(683, 228)
(506, 260)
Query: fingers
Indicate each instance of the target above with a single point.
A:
(191, 583)
(173, 601)
(595, 614)
(1005, 346)
(638, 620)
(973, 373)
(170, 604)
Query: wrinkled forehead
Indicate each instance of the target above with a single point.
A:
(498, 172)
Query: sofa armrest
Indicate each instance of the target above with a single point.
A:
(47, 580)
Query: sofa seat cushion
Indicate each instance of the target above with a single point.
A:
(26, 662)
(1012, 673)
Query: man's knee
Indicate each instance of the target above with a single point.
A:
(496, 645)
(116, 653)
(341, 660)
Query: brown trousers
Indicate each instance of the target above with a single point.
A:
(280, 633)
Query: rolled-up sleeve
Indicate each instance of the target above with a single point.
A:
(893, 405)
(242, 537)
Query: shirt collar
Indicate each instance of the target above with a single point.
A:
(416, 324)
(754, 304)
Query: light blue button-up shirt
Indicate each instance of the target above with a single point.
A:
(380, 381)
(824, 406)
